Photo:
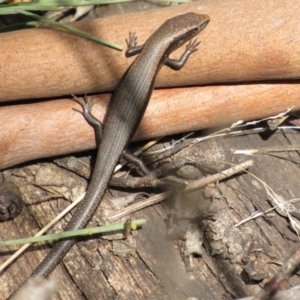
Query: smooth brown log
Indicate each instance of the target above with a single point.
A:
(52, 128)
(245, 41)
(235, 46)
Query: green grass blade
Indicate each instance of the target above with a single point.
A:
(12, 8)
(71, 29)
(81, 2)
(73, 233)
(18, 26)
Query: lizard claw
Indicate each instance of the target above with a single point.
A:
(132, 40)
(192, 46)
(87, 105)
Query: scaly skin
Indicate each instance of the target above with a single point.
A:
(126, 109)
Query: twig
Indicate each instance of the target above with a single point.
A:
(219, 176)
(290, 294)
(268, 150)
(138, 206)
(286, 271)
(192, 186)
(49, 225)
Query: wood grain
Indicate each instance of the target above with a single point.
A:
(236, 47)
(245, 41)
(52, 128)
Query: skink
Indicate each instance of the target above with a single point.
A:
(125, 111)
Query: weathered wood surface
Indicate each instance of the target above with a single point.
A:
(156, 270)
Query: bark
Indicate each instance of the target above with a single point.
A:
(156, 270)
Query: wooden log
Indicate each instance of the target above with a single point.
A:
(46, 62)
(245, 41)
(52, 128)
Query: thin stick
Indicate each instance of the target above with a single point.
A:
(219, 176)
(268, 149)
(285, 273)
(49, 225)
(192, 186)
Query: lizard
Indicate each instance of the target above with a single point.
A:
(125, 111)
